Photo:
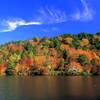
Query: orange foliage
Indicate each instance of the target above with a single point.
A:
(44, 70)
(2, 68)
(76, 65)
(88, 53)
(39, 60)
(73, 51)
(14, 47)
(20, 67)
(53, 60)
(17, 67)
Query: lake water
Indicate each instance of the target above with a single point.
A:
(50, 88)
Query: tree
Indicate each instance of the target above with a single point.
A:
(84, 44)
(45, 42)
(97, 45)
(30, 48)
(96, 42)
(98, 33)
(75, 44)
(65, 54)
(56, 44)
(66, 35)
(83, 60)
(37, 39)
(82, 35)
(11, 64)
(68, 40)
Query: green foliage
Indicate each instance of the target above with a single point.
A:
(84, 73)
(30, 48)
(66, 35)
(11, 64)
(65, 54)
(83, 60)
(95, 42)
(85, 48)
(27, 46)
(19, 54)
(56, 44)
(75, 44)
(62, 62)
(98, 33)
(31, 54)
(82, 35)
(9, 72)
(45, 42)
(96, 45)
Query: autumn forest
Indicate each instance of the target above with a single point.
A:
(67, 54)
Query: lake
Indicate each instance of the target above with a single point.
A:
(50, 88)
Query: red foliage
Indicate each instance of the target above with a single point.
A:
(26, 61)
(29, 61)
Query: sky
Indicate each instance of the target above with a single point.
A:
(25, 19)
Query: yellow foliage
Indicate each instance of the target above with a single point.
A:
(64, 46)
(96, 37)
(68, 40)
(84, 42)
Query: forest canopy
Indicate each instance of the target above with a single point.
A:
(67, 54)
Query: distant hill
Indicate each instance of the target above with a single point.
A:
(62, 55)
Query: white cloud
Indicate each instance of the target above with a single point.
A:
(85, 15)
(52, 15)
(49, 15)
(88, 12)
(11, 25)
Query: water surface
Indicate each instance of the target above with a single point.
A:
(50, 88)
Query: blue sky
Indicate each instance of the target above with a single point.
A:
(25, 19)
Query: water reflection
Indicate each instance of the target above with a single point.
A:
(49, 88)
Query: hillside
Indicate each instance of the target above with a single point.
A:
(62, 55)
